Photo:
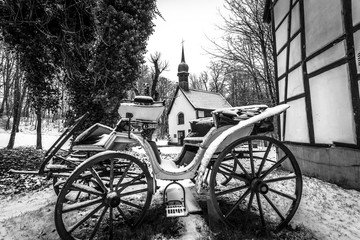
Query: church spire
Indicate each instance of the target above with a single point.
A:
(182, 53)
(183, 69)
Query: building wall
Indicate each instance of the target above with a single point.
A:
(317, 51)
(181, 104)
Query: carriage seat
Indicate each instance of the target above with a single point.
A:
(199, 128)
(93, 134)
(146, 100)
(225, 117)
(142, 109)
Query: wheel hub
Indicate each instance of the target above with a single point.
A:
(257, 185)
(112, 199)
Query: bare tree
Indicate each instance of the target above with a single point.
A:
(204, 79)
(7, 71)
(166, 89)
(247, 45)
(158, 67)
(217, 77)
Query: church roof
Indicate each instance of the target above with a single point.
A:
(203, 100)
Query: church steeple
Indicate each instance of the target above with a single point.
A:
(183, 73)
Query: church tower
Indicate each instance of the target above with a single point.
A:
(183, 72)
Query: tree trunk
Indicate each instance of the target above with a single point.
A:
(22, 97)
(38, 129)
(16, 109)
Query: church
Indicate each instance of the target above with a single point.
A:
(189, 104)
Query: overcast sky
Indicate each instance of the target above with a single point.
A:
(189, 20)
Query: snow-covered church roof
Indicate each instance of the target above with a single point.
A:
(202, 100)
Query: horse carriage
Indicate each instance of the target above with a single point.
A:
(231, 157)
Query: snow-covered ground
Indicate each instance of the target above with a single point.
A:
(327, 210)
(27, 139)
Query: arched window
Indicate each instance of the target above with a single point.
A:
(180, 118)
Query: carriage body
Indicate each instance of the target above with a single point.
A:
(234, 157)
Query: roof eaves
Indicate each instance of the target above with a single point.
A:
(192, 104)
(173, 100)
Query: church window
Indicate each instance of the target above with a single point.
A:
(201, 114)
(180, 118)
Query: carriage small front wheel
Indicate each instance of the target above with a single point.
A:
(263, 191)
(108, 191)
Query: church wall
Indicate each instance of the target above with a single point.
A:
(181, 104)
(317, 52)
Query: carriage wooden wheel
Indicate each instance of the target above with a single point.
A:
(106, 191)
(256, 183)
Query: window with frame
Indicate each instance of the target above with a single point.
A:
(180, 118)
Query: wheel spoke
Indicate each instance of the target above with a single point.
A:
(111, 174)
(207, 175)
(293, 176)
(230, 190)
(251, 157)
(127, 184)
(260, 210)
(276, 165)
(76, 206)
(123, 176)
(249, 207)
(98, 223)
(223, 164)
(226, 178)
(111, 222)
(237, 203)
(225, 168)
(85, 188)
(133, 192)
(77, 196)
(240, 165)
(98, 179)
(282, 194)
(274, 207)
(126, 219)
(90, 214)
(131, 204)
(233, 176)
(264, 159)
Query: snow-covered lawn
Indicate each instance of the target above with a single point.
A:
(326, 210)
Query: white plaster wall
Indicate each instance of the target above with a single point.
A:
(323, 23)
(355, 11)
(181, 104)
(295, 19)
(281, 59)
(281, 8)
(281, 34)
(329, 56)
(295, 51)
(295, 82)
(332, 108)
(296, 122)
(281, 85)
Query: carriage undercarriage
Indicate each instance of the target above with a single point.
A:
(247, 175)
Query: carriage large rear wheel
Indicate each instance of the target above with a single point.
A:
(107, 192)
(263, 184)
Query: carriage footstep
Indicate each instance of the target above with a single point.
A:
(179, 201)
